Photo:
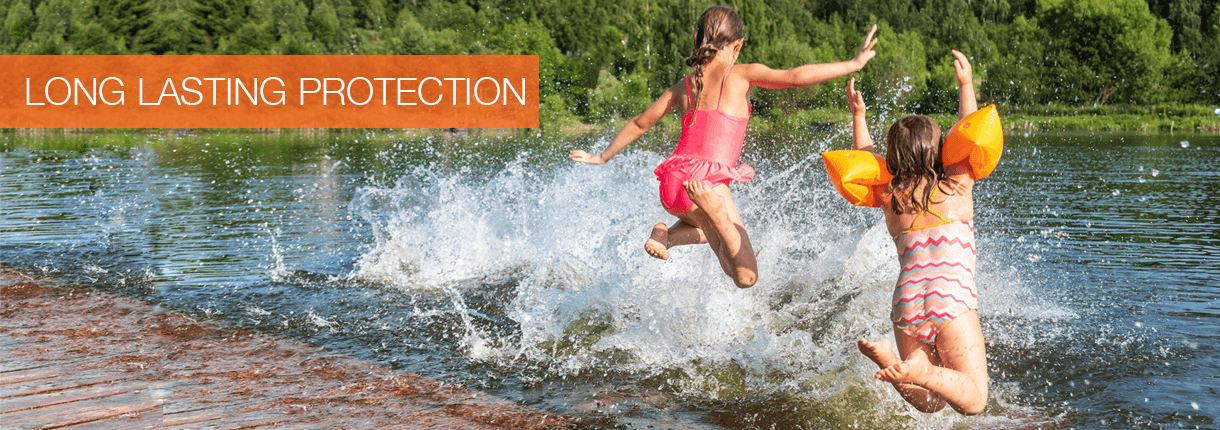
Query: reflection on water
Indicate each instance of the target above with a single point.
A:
(496, 263)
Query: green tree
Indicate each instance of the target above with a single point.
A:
(124, 19)
(408, 37)
(6, 40)
(371, 14)
(531, 38)
(20, 21)
(172, 33)
(93, 39)
(1188, 25)
(249, 39)
(1208, 64)
(217, 18)
(615, 99)
(323, 21)
(55, 24)
(955, 28)
(1015, 76)
(898, 75)
(1109, 50)
(992, 11)
(289, 24)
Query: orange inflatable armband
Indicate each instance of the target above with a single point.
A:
(977, 137)
(854, 173)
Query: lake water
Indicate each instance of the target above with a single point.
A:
(497, 263)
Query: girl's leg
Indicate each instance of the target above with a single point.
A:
(911, 348)
(962, 382)
(698, 217)
(663, 238)
(716, 214)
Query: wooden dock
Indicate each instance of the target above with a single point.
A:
(78, 359)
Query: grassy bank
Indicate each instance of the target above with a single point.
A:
(1169, 118)
(1129, 118)
(1144, 119)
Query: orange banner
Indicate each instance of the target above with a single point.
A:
(269, 91)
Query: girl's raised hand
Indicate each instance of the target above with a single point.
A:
(580, 156)
(855, 100)
(866, 49)
(961, 65)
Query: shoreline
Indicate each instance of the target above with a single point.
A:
(74, 356)
(1169, 119)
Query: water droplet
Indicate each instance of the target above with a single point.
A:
(1185, 144)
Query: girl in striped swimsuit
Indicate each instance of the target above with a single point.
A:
(929, 210)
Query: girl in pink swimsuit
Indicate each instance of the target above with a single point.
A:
(929, 210)
(694, 180)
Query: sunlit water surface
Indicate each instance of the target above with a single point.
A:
(496, 263)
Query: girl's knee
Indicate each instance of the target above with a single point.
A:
(974, 408)
(745, 280)
(931, 407)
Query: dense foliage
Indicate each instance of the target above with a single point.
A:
(606, 59)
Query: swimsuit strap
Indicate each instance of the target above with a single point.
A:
(726, 80)
(690, 103)
(942, 219)
(929, 209)
(920, 214)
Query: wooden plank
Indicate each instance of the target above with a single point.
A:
(149, 419)
(69, 414)
(22, 367)
(37, 401)
(32, 377)
(64, 384)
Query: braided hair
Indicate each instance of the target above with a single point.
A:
(717, 27)
(912, 154)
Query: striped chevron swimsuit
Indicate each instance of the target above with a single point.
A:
(937, 280)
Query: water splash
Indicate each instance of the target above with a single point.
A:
(587, 299)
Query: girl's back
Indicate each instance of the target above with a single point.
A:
(732, 99)
(952, 201)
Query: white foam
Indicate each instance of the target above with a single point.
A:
(573, 238)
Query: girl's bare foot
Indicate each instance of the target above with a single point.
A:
(915, 370)
(658, 245)
(881, 352)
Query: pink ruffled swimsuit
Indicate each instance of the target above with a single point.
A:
(707, 151)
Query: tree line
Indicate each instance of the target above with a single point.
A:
(602, 60)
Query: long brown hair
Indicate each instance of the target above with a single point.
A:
(912, 155)
(717, 27)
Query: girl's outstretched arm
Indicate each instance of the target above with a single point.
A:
(965, 80)
(961, 171)
(860, 140)
(634, 128)
(811, 74)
